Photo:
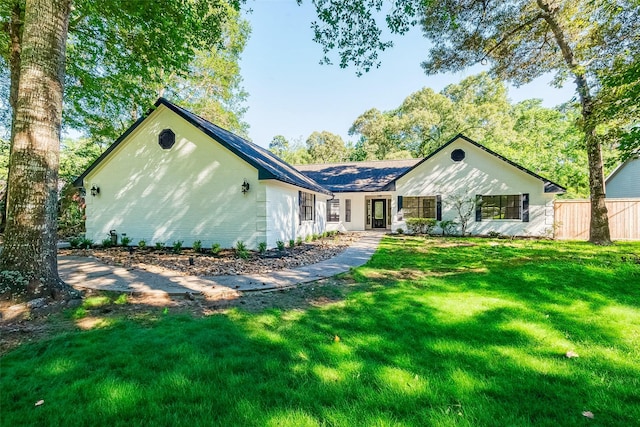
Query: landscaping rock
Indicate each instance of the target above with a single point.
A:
(37, 303)
(224, 263)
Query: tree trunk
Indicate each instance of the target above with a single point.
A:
(599, 232)
(29, 256)
(15, 46)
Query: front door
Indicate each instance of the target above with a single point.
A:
(379, 213)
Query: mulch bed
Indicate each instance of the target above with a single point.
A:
(224, 263)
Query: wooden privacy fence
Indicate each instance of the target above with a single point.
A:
(571, 218)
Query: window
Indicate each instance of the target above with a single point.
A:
(419, 207)
(166, 139)
(500, 207)
(333, 210)
(307, 203)
(347, 210)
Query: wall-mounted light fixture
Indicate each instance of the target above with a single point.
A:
(95, 190)
(245, 187)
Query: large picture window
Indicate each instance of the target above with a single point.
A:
(419, 207)
(333, 210)
(307, 202)
(501, 207)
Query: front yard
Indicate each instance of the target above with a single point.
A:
(429, 332)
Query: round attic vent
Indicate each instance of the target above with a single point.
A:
(166, 139)
(457, 155)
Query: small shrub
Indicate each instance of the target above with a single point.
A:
(86, 243)
(307, 238)
(197, 245)
(262, 247)
(241, 250)
(494, 234)
(299, 241)
(107, 243)
(421, 225)
(159, 246)
(75, 242)
(292, 243)
(280, 245)
(399, 230)
(448, 227)
(315, 236)
(125, 241)
(177, 247)
(142, 244)
(121, 300)
(215, 248)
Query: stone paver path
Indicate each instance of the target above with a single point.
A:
(89, 273)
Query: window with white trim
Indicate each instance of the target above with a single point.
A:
(501, 207)
(333, 210)
(347, 210)
(307, 201)
(419, 207)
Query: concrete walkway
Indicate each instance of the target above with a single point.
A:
(89, 273)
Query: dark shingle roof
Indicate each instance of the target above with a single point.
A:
(268, 164)
(358, 176)
(382, 175)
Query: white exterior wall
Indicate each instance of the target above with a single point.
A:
(479, 173)
(282, 213)
(189, 192)
(358, 213)
(625, 182)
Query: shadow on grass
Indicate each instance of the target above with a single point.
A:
(465, 348)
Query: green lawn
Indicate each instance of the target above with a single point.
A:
(432, 332)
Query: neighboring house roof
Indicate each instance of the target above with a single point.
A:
(268, 164)
(619, 168)
(357, 176)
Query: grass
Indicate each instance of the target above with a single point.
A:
(431, 332)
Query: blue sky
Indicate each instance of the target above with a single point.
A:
(291, 94)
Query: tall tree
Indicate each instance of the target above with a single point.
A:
(138, 49)
(28, 260)
(326, 147)
(521, 39)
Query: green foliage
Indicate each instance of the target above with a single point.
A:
(125, 240)
(279, 146)
(159, 246)
(298, 241)
(71, 215)
(308, 238)
(177, 246)
(86, 243)
(420, 225)
(262, 247)
(142, 244)
(315, 236)
(399, 230)
(241, 250)
(280, 245)
(75, 242)
(325, 147)
(197, 245)
(107, 242)
(448, 227)
(292, 243)
(215, 248)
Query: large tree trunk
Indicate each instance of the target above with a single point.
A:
(599, 232)
(29, 259)
(15, 47)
